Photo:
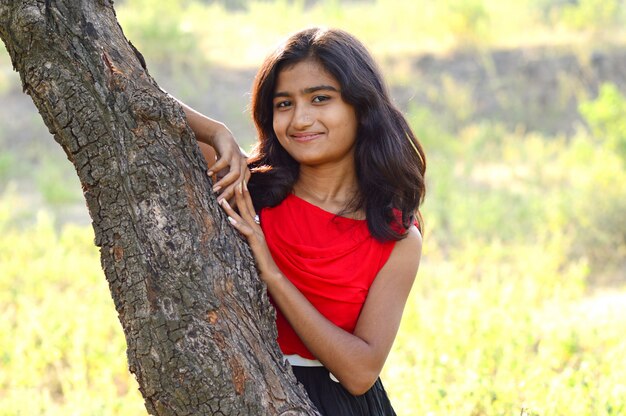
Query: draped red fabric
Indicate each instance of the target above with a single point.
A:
(332, 260)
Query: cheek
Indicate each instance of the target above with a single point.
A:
(279, 130)
(348, 123)
(278, 124)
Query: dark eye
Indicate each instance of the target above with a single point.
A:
(320, 98)
(283, 104)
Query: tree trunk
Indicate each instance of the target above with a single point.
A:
(198, 324)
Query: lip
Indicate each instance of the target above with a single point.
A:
(305, 137)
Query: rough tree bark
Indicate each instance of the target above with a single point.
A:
(198, 324)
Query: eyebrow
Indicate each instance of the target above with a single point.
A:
(308, 90)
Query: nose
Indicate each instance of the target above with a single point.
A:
(302, 117)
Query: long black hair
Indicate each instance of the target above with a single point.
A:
(389, 160)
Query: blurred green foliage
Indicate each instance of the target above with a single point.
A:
(596, 15)
(499, 328)
(7, 164)
(467, 21)
(159, 29)
(5, 72)
(606, 116)
(180, 31)
(61, 346)
(57, 181)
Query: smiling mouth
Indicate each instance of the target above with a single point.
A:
(305, 137)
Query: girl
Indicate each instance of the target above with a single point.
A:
(337, 179)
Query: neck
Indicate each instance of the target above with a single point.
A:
(329, 187)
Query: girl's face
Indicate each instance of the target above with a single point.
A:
(311, 120)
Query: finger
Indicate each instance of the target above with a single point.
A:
(245, 172)
(235, 219)
(246, 208)
(243, 153)
(222, 162)
(221, 173)
(242, 206)
(211, 175)
(216, 178)
(228, 209)
(228, 194)
(230, 190)
(248, 199)
(230, 182)
(230, 179)
(246, 175)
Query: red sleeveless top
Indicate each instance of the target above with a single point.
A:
(332, 260)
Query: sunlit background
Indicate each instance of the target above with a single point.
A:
(520, 303)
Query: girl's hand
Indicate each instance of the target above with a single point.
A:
(231, 167)
(247, 223)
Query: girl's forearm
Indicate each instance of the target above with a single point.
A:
(205, 128)
(351, 359)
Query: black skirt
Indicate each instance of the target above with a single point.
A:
(332, 399)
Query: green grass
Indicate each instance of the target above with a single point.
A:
(61, 346)
(502, 328)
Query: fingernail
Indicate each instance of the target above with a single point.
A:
(232, 221)
(245, 185)
(217, 188)
(210, 173)
(240, 187)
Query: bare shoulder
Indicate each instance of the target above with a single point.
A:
(400, 269)
(413, 239)
(407, 252)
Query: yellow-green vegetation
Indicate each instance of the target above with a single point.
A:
(61, 345)
(181, 31)
(505, 318)
(500, 328)
(605, 116)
